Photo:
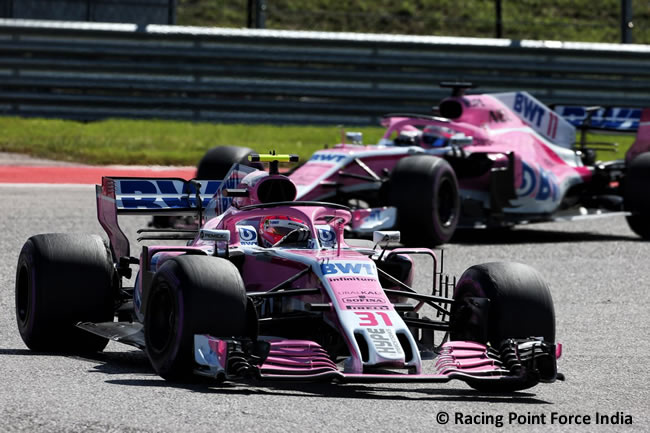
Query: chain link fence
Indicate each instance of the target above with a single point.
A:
(569, 20)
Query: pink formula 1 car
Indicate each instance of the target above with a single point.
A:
(491, 160)
(268, 288)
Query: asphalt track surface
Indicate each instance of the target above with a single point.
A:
(598, 272)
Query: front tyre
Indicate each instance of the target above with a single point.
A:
(214, 165)
(192, 295)
(424, 189)
(520, 307)
(217, 161)
(63, 279)
(520, 304)
(636, 197)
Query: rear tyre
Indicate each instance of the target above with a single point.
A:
(520, 307)
(217, 161)
(192, 295)
(424, 189)
(63, 279)
(636, 198)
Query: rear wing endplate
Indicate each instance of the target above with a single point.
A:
(160, 196)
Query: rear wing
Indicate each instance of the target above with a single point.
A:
(155, 196)
(160, 196)
(148, 196)
(616, 119)
(612, 119)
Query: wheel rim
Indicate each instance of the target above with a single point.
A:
(162, 318)
(446, 203)
(22, 296)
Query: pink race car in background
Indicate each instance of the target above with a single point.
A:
(490, 160)
(268, 288)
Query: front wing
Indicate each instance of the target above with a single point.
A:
(517, 364)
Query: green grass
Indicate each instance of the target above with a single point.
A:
(180, 143)
(183, 143)
(157, 141)
(623, 141)
(568, 20)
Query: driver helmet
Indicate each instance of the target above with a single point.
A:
(274, 228)
(436, 136)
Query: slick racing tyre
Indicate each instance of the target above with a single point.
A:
(217, 161)
(520, 307)
(63, 279)
(190, 295)
(636, 198)
(424, 189)
(520, 304)
(214, 165)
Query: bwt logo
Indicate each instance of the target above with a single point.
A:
(611, 117)
(347, 268)
(156, 194)
(529, 109)
(327, 157)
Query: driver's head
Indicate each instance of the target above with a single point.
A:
(435, 136)
(274, 228)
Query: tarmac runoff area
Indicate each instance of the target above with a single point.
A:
(597, 271)
(23, 169)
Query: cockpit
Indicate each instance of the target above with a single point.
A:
(432, 136)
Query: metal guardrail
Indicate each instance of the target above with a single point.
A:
(89, 71)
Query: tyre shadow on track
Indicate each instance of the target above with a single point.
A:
(133, 361)
(525, 236)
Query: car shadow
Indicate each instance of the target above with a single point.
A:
(525, 235)
(135, 362)
(333, 390)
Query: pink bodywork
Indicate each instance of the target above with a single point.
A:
(542, 154)
(347, 281)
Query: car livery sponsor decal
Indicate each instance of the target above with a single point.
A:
(539, 117)
(332, 268)
(161, 193)
(538, 183)
(247, 235)
(355, 285)
(385, 341)
(328, 157)
(360, 299)
(617, 118)
(529, 109)
(326, 235)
